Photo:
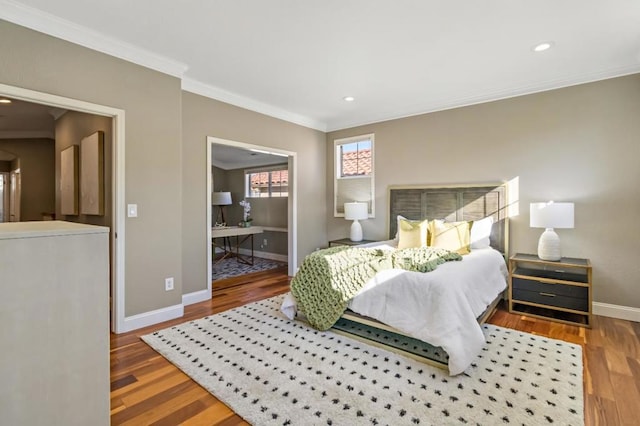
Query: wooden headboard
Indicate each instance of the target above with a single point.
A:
(453, 203)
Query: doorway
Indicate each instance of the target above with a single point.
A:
(118, 233)
(291, 202)
(10, 187)
(4, 197)
(15, 194)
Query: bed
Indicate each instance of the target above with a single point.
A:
(434, 317)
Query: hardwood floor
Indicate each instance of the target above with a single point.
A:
(147, 390)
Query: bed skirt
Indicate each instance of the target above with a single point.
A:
(370, 331)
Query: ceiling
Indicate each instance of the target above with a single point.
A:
(21, 120)
(228, 157)
(297, 60)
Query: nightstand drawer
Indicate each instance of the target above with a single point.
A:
(553, 274)
(557, 289)
(558, 295)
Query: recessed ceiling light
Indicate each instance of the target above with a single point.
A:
(349, 99)
(5, 101)
(542, 46)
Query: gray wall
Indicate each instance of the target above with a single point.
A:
(577, 144)
(37, 167)
(152, 102)
(71, 128)
(204, 117)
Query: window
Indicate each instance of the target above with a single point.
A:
(355, 158)
(354, 167)
(267, 182)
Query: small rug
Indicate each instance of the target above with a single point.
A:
(230, 267)
(272, 371)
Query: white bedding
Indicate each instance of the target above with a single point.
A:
(438, 307)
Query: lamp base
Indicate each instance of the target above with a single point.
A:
(356, 231)
(549, 246)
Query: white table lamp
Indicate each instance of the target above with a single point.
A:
(550, 215)
(356, 212)
(221, 199)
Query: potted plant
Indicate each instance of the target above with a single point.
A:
(246, 221)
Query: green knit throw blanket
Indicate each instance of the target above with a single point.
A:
(329, 278)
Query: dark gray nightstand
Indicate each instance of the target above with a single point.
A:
(559, 291)
(348, 242)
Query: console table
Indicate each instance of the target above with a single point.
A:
(241, 235)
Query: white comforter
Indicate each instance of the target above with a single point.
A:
(438, 307)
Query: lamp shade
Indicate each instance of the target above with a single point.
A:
(221, 198)
(551, 215)
(355, 211)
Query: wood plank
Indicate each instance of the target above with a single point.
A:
(617, 362)
(149, 389)
(627, 398)
(215, 414)
(120, 383)
(600, 411)
(156, 407)
(180, 415)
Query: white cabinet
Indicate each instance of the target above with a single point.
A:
(54, 324)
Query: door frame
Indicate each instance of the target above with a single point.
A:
(118, 183)
(292, 210)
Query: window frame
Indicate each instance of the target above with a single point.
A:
(338, 210)
(266, 169)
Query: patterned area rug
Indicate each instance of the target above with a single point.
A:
(230, 267)
(272, 371)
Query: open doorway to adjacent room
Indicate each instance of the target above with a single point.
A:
(263, 177)
(35, 128)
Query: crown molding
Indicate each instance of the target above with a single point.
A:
(54, 26)
(57, 112)
(199, 88)
(496, 95)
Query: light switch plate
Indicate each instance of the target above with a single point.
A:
(132, 210)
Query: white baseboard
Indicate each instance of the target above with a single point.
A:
(265, 255)
(195, 297)
(152, 317)
(616, 311)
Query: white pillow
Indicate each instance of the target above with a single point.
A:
(480, 232)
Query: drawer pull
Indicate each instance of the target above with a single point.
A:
(547, 294)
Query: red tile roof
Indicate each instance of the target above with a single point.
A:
(356, 163)
(277, 178)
